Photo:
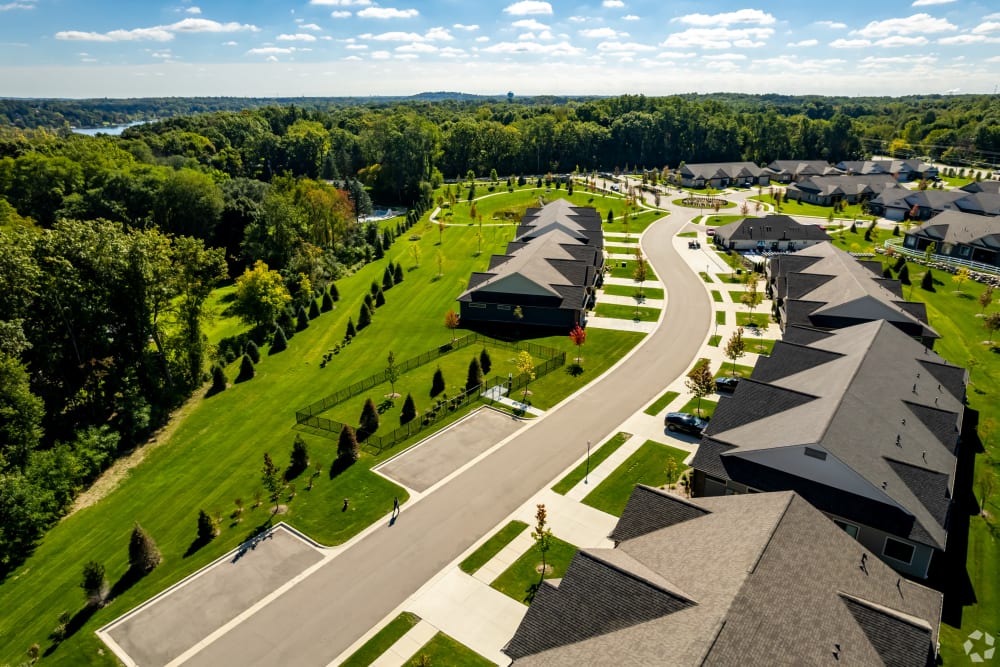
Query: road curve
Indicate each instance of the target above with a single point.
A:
(316, 620)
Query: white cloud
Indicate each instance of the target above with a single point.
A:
(630, 17)
(726, 56)
(356, 47)
(417, 47)
(985, 27)
(138, 34)
(193, 10)
(353, 58)
(753, 16)
(924, 3)
(387, 13)
(438, 34)
(230, 43)
(462, 26)
(272, 59)
(16, 5)
(623, 47)
(207, 25)
(833, 25)
(885, 61)
(394, 36)
(341, 3)
(530, 24)
(850, 43)
(918, 23)
(994, 59)
(899, 40)
(271, 50)
(451, 52)
(381, 55)
(718, 38)
(482, 38)
(804, 42)
(612, 3)
(602, 33)
(966, 38)
(297, 37)
(560, 49)
(310, 26)
(578, 19)
(676, 54)
(526, 7)
(339, 14)
(992, 17)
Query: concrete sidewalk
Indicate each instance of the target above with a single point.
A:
(629, 301)
(620, 325)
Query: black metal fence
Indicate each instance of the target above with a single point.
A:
(309, 415)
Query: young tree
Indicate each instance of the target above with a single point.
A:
(334, 292)
(985, 299)
(313, 309)
(960, 277)
(392, 373)
(351, 330)
(207, 528)
(299, 460)
(219, 379)
(518, 313)
(542, 535)
(326, 304)
(735, 347)
(387, 281)
(437, 383)
(379, 298)
(409, 411)
(700, 381)
(369, 421)
(143, 555)
(930, 251)
(415, 251)
(641, 272)
(94, 583)
(270, 477)
(475, 377)
(927, 282)
(525, 366)
(451, 322)
(579, 336)
(246, 369)
(347, 446)
(279, 342)
(364, 317)
(485, 362)
(992, 323)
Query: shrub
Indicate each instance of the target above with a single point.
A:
(219, 379)
(94, 584)
(207, 530)
(279, 343)
(369, 421)
(900, 263)
(300, 457)
(379, 299)
(246, 369)
(327, 303)
(387, 277)
(895, 230)
(904, 275)
(347, 446)
(286, 320)
(485, 363)
(397, 274)
(334, 293)
(437, 384)
(927, 282)
(143, 555)
(351, 330)
(365, 316)
(253, 351)
(301, 319)
(374, 288)
(409, 411)
(313, 309)
(475, 376)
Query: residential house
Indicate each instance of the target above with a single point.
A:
(903, 204)
(722, 174)
(863, 422)
(789, 171)
(960, 235)
(770, 233)
(829, 190)
(902, 170)
(825, 288)
(759, 579)
(989, 187)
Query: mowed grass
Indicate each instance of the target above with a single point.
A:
(492, 547)
(716, 296)
(657, 406)
(648, 465)
(626, 290)
(794, 207)
(382, 640)
(215, 454)
(521, 579)
(625, 268)
(705, 409)
(443, 651)
(756, 319)
(597, 456)
(618, 311)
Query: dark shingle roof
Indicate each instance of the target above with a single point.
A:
(770, 228)
(899, 641)
(648, 510)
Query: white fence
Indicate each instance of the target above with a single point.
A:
(897, 247)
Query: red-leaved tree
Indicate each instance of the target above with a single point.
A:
(579, 337)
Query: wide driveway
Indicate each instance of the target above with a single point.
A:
(317, 619)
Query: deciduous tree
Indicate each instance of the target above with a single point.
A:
(143, 554)
(525, 365)
(260, 295)
(542, 535)
(451, 322)
(270, 477)
(700, 381)
(579, 336)
(735, 347)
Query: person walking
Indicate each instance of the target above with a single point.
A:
(395, 505)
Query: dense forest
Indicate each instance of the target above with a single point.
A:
(110, 246)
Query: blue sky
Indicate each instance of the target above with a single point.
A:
(68, 48)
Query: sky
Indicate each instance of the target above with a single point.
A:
(142, 48)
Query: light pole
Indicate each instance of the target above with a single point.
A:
(586, 478)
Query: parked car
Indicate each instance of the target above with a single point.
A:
(711, 232)
(726, 384)
(694, 245)
(685, 423)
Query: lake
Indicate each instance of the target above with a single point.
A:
(110, 129)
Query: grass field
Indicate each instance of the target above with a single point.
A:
(794, 207)
(492, 547)
(625, 268)
(521, 579)
(729, 369)
(714, 340)
(716, 296)
(705, 410)
(720, 317)
(648, 465)
(656, 407)
(716, 220)
(758, 319)
(443, 651)
(628, 290)
(600, 453)
(382, 640)
(640, 313)
(214, 454)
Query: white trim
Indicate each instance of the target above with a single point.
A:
(913, 549)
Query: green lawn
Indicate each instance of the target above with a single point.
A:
(714, 340)
(720, 317)
(759, 319)
(657, 406)
(501, 207)
(443, 651)
(621, 249)
(628, 290)
(705, 277)
(729, 278)
(638, 220)
(641, 313)
(705, 411)
(492, 547)
(632, 239)
(955, 181)
(688, 235)
(598, 455)
(717, 296)
(758, 345)
(215, 452)
(793, 207)
(729, 369)
(717, 220)
(628, 270)
(521, 579)
(382, 640)
(648, 465)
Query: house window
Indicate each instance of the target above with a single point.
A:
(815, 453)
(898, 550)
(477, 305)
(848, 528)
(503, 306)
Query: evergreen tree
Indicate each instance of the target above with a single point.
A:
(904, 275)
(379, 299)
(364, 317)
(313, 309)
(369, 419)
(397, 273)
(301, 319)
(347, 446)
(409, 411)
(475, 377)
(854, 227)
(334, 292)
(279, 343)
(286, 320)
(143, 555)
(219, 379)
(485, 363)
(378, 252)
(247, 370)
(927, 282)
(351, 331)
(369, 301)
(94, 583)
(252, 351)
(374, 288)
(900, 263)
(327, 304)
(207, 530)
(300, 457)
(387, 277)
(437, 384)
(887, 272)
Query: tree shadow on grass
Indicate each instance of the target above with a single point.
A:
(78, 620)
(574, 370)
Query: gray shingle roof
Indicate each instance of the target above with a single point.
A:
(956, 228)
(709, 170)
(649, 510)
(757, 579)
(770, 228)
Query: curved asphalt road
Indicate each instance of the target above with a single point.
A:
(313, 622)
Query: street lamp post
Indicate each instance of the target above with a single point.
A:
(586, 477)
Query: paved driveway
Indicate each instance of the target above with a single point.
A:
(317, 619)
